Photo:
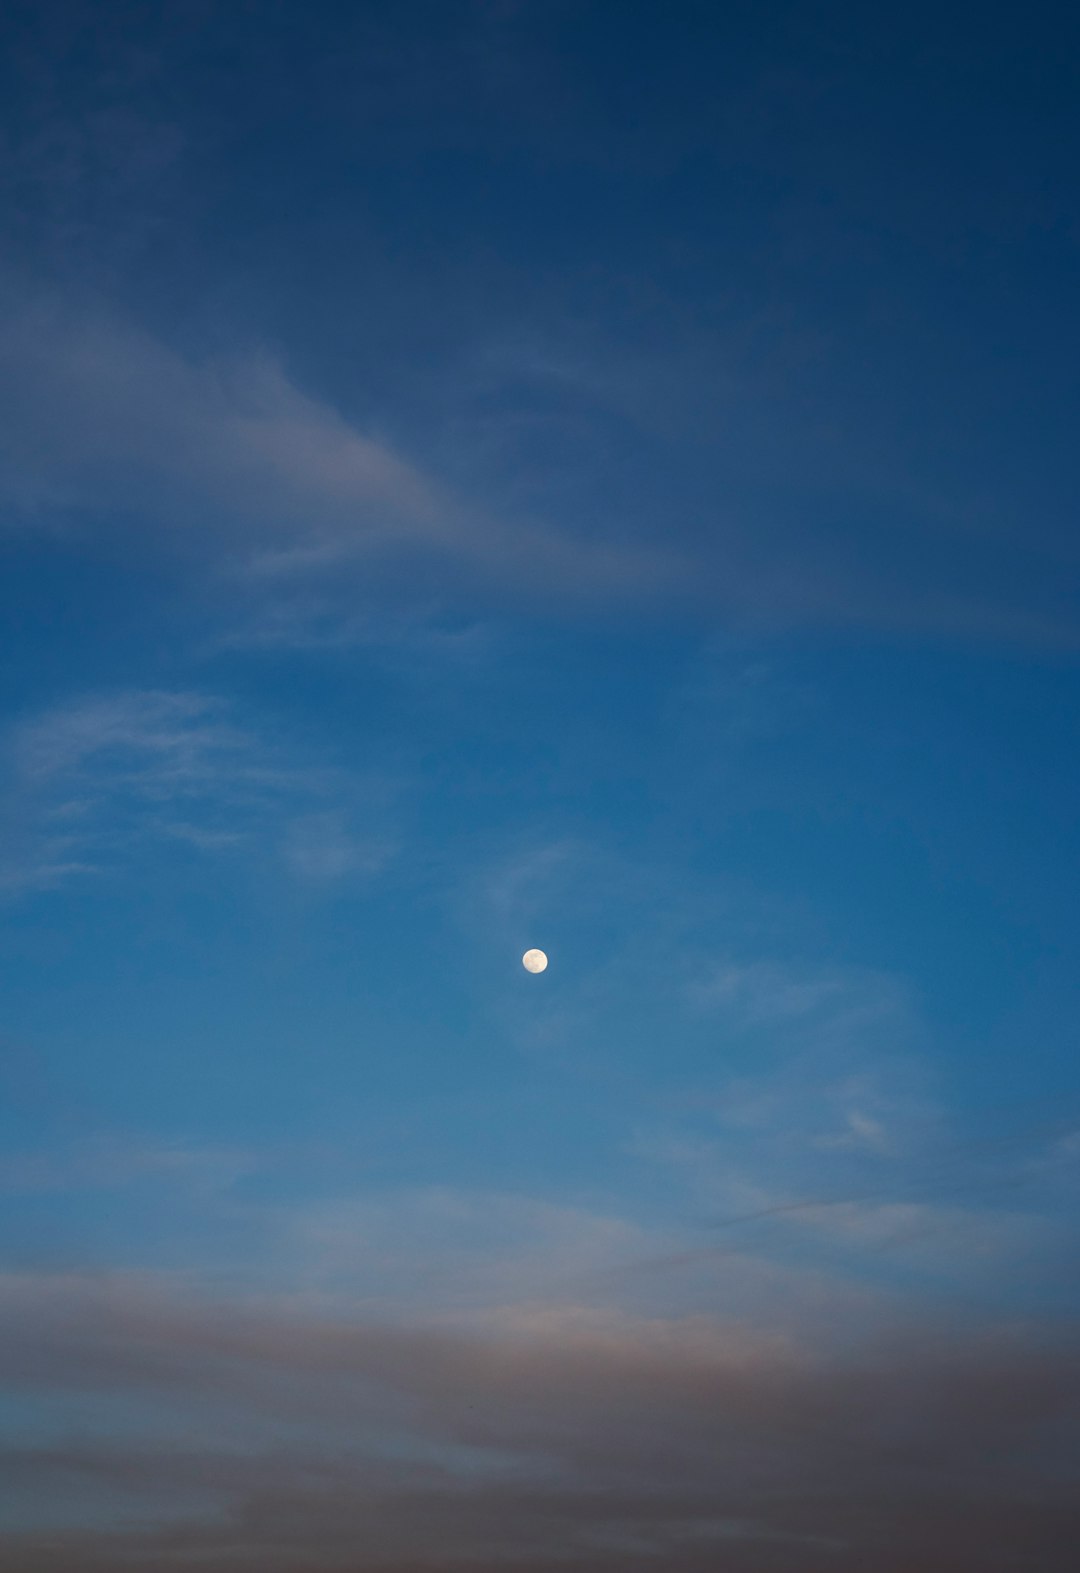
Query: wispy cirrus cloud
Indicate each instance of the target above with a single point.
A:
(156, 741)
(843, 1046)
(89, 779)
(228, 457)
(760, 992)
(822, 1124)
(290, 504)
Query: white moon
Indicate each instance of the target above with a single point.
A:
(534, 961)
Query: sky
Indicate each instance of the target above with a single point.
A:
(504, 473)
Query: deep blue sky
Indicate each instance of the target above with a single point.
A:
(481, 475)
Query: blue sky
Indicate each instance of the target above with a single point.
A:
(484, 475)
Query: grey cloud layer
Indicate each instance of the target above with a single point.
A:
(282, 1437)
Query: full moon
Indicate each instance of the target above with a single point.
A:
(534, 961)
